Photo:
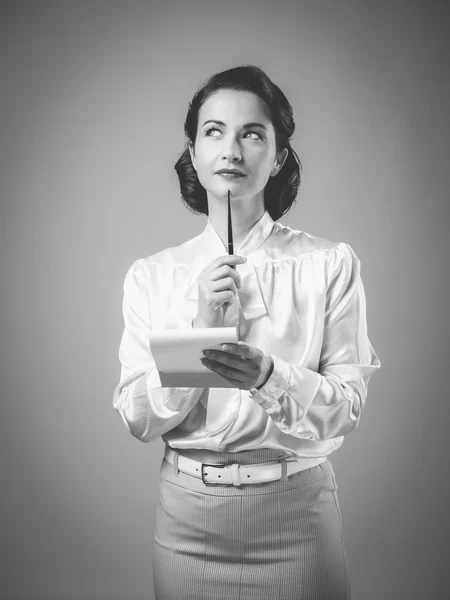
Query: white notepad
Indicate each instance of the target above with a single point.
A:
(177, 354)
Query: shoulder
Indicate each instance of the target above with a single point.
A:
(286, 242)
(167, 260)
(181, 255)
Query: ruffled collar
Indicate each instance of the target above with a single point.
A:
(214, 247)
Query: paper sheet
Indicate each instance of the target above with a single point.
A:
(177, 354)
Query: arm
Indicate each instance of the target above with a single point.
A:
(147, 409)
(327, 404)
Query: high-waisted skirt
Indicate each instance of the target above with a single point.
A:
(280, 540)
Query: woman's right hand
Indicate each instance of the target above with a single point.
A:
(217, 288)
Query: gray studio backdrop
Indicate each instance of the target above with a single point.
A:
(94, 96)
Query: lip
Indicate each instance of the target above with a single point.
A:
(230, 175)
(234, 172)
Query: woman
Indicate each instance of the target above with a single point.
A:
(266, 523)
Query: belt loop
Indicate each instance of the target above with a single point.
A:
(282, 460)
(175, 462)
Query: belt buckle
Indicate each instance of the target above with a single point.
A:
(203, 474)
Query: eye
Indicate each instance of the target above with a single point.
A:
(208, 131)
(257, 134)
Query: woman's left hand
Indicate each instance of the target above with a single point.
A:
(244, 366)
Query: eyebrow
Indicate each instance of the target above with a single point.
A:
(246, 125)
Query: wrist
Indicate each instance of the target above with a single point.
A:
(269, 371)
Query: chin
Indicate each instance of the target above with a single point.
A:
(238, 186)
(222, 190)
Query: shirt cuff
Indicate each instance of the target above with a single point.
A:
(278, 382)
(282, 383)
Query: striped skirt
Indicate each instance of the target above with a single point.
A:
(280, 540)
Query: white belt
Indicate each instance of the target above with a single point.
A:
(237, 474)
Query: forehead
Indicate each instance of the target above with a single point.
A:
(234, 106)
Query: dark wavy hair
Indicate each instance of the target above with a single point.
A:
(281, 190)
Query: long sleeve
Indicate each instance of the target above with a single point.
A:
(147, 409)
(327, 404)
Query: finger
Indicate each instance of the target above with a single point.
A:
(240, 349)
(227, 283)
(226, 371)
(224, 272)
(224, 298)
(228, 259)
(229, 361)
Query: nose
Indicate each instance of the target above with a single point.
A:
(231, 150)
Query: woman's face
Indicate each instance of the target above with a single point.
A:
(234, 131)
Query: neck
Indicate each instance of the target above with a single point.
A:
(245, 213)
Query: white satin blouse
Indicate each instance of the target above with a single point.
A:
(302, 302)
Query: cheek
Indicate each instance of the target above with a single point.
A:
(203, 157)
(260, 156)
(262, 165)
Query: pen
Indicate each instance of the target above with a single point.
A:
(230, 229)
